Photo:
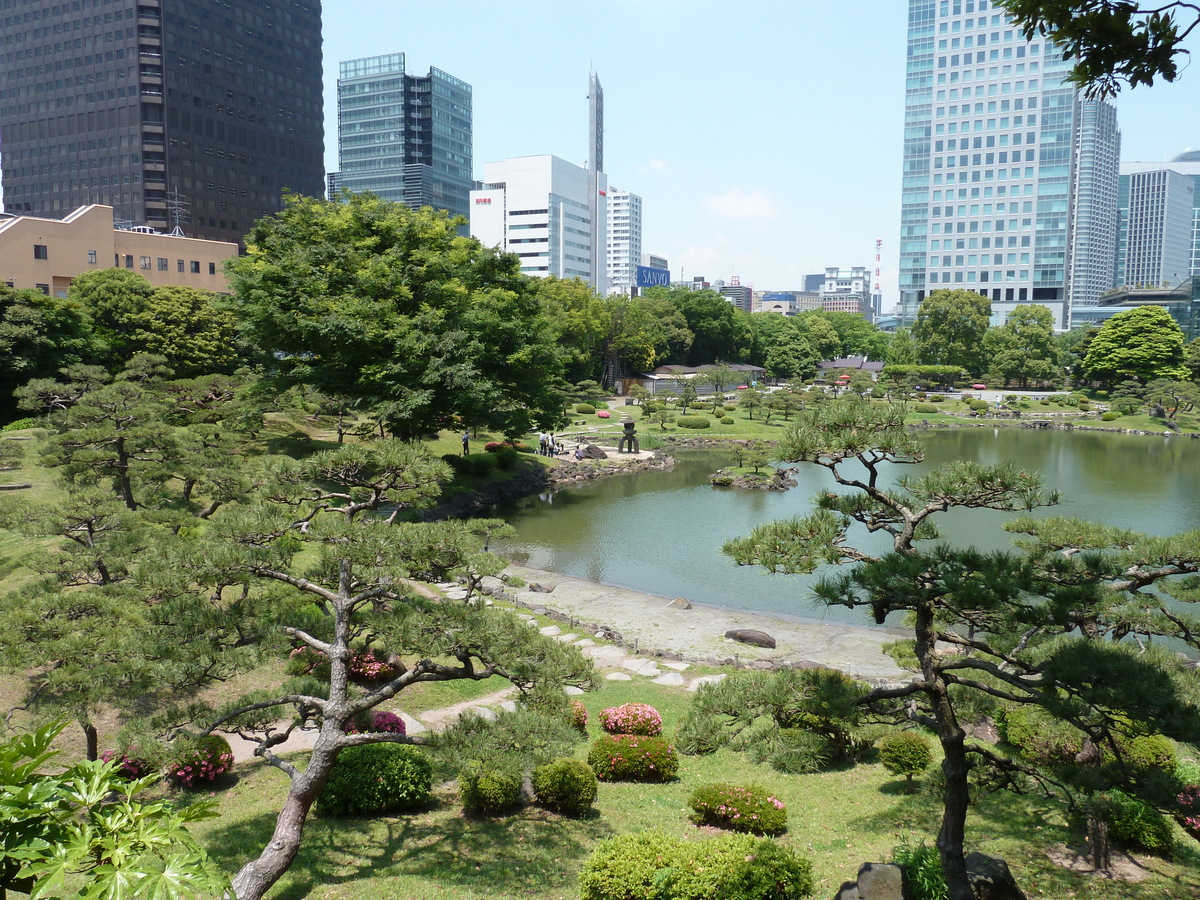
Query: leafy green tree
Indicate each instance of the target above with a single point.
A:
(687, 394)
(782, 347)
(721, 377)
(750, 400)
(1191, 358)
(394, 308)
(856, 336)
(1169, 397)
(191, 329)
(88, 823)
(1111, 41)
(950, 327)
(1073, 346)
(580, 321)
(1015, 620)
(821, 334)
(903, 348)
(720, 330)
(1143, 343)
(1024, 347)
(39, 335)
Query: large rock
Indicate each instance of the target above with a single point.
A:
(681, 603)
(541, 588)
(751, 636)
(591, 451)
(991, 879)
(880, 881)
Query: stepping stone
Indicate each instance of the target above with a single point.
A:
(586, 642)
(704, 679)
(618, 676)
(677, 666)
(641, 666)
(567, 638)
(509, 706)
(671, 678)
(411, 725)
(551, 630)
(607, 654)
(484, 712)
(571, 691)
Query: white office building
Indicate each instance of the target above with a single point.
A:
(624, 240)
(1159, 240)
(541, 208)
(1010, 176)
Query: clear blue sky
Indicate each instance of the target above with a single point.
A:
(764, 137)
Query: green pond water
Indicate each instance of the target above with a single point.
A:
(662, 532)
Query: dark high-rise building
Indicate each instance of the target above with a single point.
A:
(404, 137)
(199, 113)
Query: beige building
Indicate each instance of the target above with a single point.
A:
(48, 254)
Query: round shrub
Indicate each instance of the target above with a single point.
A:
(905, 753)
(307, 661)
(693, 422)
(201, 761)
(27, 422)
(727, 420)
(750, 809)
(1151, 751)
(1132, 822)
(568, 785)
(796, 751)
(481, 465)
(488, 790)
(633, 757)
(631, 718)
(584, 409)
(128, 765)
(458, 464)
(370, 668)
(1040, 737)
(376, 721)
(728, 407)
(978, 405)
(579, 715)
(376, 778)
(507, 458)
(937, 398)
(1110, 416)
(1045, 401)
(652, 864)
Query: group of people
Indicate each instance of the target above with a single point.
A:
(548, 445)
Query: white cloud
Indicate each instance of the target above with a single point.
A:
(742, 205)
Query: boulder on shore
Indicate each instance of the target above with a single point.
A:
(591, 451)
(751, 636)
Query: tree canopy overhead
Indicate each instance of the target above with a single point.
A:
(393, 308)
(1143, 343)
(1111, 41)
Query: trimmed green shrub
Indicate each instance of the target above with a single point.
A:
(727, 420)
(481, 465)
(750, 809)
(568, 785)
(459, 464)
(925, 408)
(728, 407)
(905, 753)
(978, 405)
(507, 458)
(1151, 751)
(631, 718)
(701, 406)
(693, 422)
(795, 751)
(488, 790)
(1132, 822)
(1045, 401)
(584, 409)
(633, 757)
(923, 874)
(201, 761)
(1040, 737)
(938, 398)
(27, 422)
(651, 864)
(1110, 416)
(376, 778)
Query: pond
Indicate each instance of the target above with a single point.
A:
(662, 532)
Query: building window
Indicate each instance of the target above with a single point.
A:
(40, 251)
(212, 268)
(195, 267)
(129, 260)
(145, 261)
(44, 288)
(179, 265)
(162, 264)
(92, 257)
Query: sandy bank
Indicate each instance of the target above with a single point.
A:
(698, 633)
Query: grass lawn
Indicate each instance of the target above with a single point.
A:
(837, 819)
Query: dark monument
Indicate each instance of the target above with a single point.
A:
(630, 437)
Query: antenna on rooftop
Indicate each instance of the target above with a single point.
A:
(177, 208)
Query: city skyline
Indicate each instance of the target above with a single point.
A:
(753, 170)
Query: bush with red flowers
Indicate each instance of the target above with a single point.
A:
(631, 718)
(579, 715)
(202, 761)
(376, 721)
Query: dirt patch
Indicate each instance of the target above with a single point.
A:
(1122, 867)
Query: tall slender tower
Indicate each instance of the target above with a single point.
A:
(131, 102)
(598, 205)
(1010, 178)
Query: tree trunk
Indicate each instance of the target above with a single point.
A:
(123, 481)
(92, 738)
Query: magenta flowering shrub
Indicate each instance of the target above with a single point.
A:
(203, 761)
(632, 718)
(736, 808)
(376, 721)
(363, 666)
(131, 767)
(579, 715)
(633, 757)
(1189, 809)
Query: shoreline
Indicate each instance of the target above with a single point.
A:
(655, 626)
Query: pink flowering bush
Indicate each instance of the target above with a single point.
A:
(736, 808)
(202, 761)
(376, 721)
(633, 757)
(579, 715)
(363, 666)
(131, 767)
(368, 667)
(1189, 809)
(632, 718)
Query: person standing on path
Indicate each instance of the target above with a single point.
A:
(466, 443)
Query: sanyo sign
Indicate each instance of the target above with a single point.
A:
(648, 277)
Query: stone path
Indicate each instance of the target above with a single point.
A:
(611, 661)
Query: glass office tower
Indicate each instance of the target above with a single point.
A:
(404, 137)
(1010, 179)
(200, 113)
